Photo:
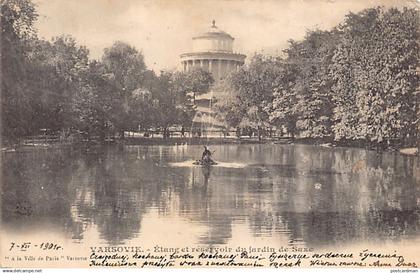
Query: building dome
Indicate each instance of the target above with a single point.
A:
(213, 32)
(213, 40)
(213, 51)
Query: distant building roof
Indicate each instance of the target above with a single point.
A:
(213, 31)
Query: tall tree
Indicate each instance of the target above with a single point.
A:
(312, 57)
(376, 61)
(143, 102)
(228, 106)
(186, 86)
(126, 66)
(56, 75)
(165, 102)
(96, 103)
(255, 85)
(197, 81)
(283, 111)
(17, 31)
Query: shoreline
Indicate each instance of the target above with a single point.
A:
(174, 141)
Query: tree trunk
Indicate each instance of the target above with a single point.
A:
(102, 136)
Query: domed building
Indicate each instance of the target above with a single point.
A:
(213, 52)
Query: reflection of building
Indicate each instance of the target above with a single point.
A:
(213, 51)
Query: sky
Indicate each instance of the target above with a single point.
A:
(162, 29)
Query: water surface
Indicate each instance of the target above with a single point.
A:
(260, 194)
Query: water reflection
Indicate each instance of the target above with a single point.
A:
(308, 195)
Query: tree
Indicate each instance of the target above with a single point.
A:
(228, 106)
(374, 74)
(96, 103)
(183, 90)
(186, 86)
(126, 68)
(255, 85)
(197, 81)
(283, 111)
(312, 87)
(56, 74)
(142, 106)
(17, 31)
(345, 112)
(165, 102)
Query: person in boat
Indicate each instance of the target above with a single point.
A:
(205, 158)
(206, 153)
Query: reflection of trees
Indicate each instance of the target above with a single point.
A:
(118, 213)
(110, 198)
(218, 220)
(311, 194)
(327, 202)
(35, 187)
(201, 202)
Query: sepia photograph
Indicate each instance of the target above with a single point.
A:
(210, 134)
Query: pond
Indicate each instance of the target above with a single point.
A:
(274, 195)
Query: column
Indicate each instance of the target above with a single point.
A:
(201, 63)
(219, 68)
(206, 64)
(210, 66)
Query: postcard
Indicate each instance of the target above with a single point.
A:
(210, 134)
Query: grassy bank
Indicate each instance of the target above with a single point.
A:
(25, 145)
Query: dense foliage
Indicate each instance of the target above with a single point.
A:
(374, 76)
(355, 82)
(54, 86)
